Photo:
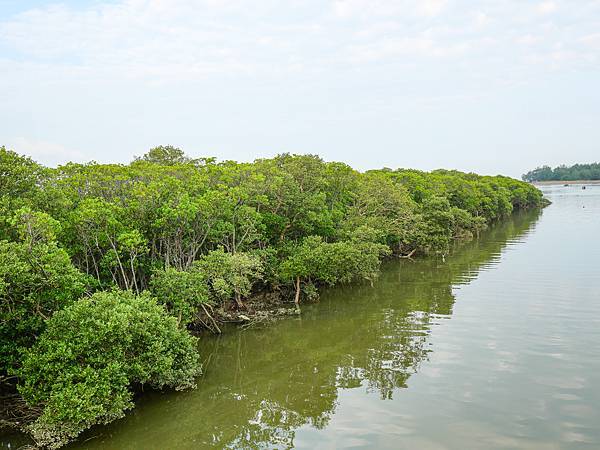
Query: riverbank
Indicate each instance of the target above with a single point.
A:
(408, 363)
(562, 183)
(366, 364)
(262, 308)
(88, 252)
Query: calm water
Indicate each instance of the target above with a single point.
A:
(498, 347)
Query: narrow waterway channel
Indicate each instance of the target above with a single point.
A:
(497, 347)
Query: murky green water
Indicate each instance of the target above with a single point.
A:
(498, 347)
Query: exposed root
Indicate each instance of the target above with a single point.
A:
(409, 256)
(211, 324)
(15, 413)
(259, 309)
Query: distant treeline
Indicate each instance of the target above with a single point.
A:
(564, 173)
(105, 268)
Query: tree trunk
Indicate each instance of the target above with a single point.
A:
(238, 301)
(297, 298)
(125, 280)
(285, 229)
(135, 284)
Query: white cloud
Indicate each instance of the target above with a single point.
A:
(591, 40)
(431, 7)
(481, 19)
(382, 8)
(376, 59)
(161, 41)
(120, 75)
(528, 39)
(144, 39)
(547, 7)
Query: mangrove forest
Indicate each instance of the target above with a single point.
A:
(110, 273)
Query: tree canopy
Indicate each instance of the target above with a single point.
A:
(564, 173)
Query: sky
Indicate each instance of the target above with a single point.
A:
(487, 86)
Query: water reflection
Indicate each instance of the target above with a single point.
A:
(262, 385)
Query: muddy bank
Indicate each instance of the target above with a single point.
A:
(260, 308)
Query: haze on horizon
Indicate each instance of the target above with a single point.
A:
(500, 87)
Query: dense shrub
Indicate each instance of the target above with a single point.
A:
(330, 263)
(85, 365)
(229, 276)
(35, 281)
(20, 176)
(182, 292)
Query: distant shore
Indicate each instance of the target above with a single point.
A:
(558, 182)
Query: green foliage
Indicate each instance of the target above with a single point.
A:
(120, 223)
(166, 155)
(332, 263)
(33, 227)
(435, 229)
(229, 276)
(21, 180)
(36, 280)
(182, 292)
(85, 364)
(564, 173)
(384, 207)
(20, 176)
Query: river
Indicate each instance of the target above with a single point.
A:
(498, 347)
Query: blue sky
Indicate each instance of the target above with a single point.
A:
(488, 86)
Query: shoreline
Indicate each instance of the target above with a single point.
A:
(562, 183)
(261, 309)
